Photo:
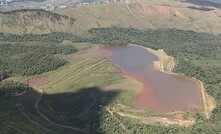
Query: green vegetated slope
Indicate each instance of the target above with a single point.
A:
(36, 21)
(31, 58)
(196, 54)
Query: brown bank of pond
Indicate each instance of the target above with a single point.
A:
(162, 92)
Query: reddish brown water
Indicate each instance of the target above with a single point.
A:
(162, 92)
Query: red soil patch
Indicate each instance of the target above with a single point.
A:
(36, 81)
(143, 9)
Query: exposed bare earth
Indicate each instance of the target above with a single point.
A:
(36, 81)
(157, 120)
(208, 101)
(144, 9)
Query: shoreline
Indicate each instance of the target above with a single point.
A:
(166, 64)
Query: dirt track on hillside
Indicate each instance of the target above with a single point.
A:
(35, 83)
(53, 123)
(7, 125)
(154, 120)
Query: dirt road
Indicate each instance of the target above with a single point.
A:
(156, 120)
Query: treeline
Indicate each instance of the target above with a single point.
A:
(9, 89)
(19, 59)
(52, 37)
(39, 12)
(196, 54)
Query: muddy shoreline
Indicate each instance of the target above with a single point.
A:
(166, 64)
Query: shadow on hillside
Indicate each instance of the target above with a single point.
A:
(79, 112)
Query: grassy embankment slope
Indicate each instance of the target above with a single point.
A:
(86, 68)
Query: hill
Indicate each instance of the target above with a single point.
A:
(37, 21)
(141, 15)
(147, 15)
(54, 82)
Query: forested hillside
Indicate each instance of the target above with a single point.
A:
(10, 89)
(196, 54)
(20, 59)
(56, 37)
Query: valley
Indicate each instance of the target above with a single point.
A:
(76, 69)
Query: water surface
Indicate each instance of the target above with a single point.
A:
(201, 8)
(203, 3)
(162, 92)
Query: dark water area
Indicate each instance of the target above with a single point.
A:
(162, 92)
(203, 3)
(201, 8)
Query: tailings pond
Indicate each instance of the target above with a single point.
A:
(162, 92)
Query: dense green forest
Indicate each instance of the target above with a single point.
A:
(39, 12)
(19, 59)
(53, 37)
(9, 89)
(196, 54)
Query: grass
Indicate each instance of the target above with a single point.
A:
(86, 73)
(118, 14)
(30, 23)
(86, 69)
